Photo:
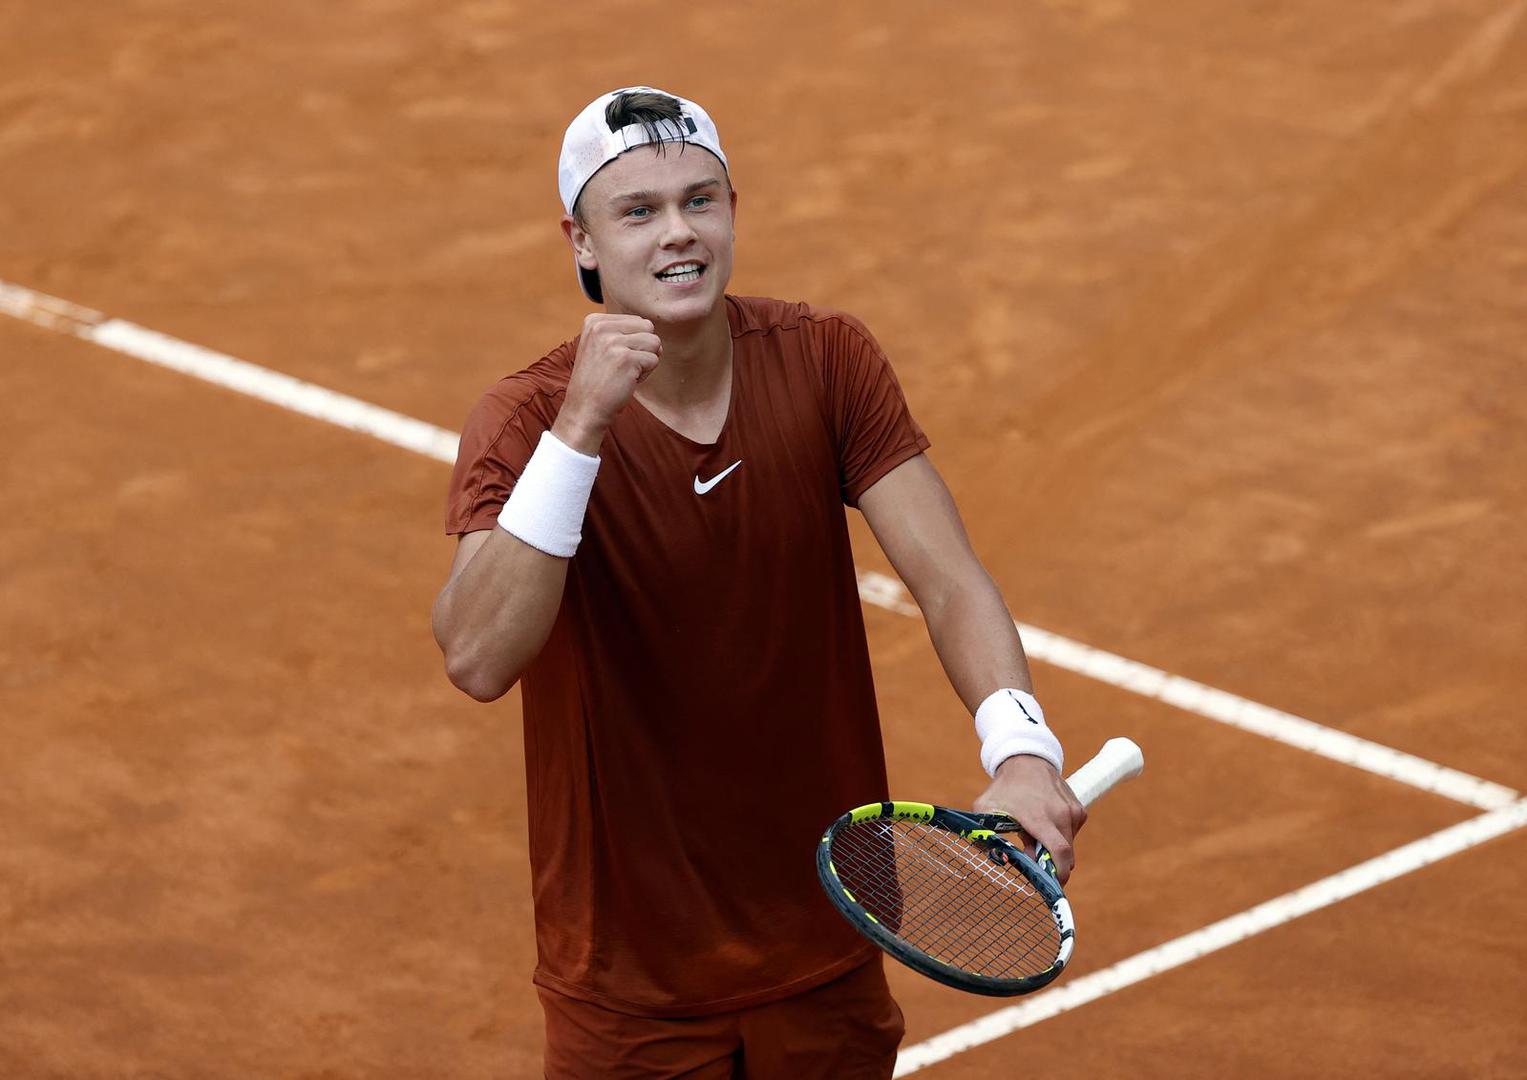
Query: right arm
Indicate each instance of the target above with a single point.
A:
(501, 599)
(496, 611)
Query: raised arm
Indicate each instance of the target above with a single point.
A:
(496, 611)
(915, 520)
(505, 587)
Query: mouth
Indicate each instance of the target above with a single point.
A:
(681, 273)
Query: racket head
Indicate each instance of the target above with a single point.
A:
(944, 892)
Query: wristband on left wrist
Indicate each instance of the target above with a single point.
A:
(1011, 722)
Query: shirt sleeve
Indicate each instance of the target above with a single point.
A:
(874, 428)
(497, 440)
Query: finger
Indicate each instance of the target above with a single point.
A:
(606, 327)
(644, 342)
(646, 364)
(1060, 850)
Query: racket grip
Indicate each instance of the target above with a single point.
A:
(1120, 759)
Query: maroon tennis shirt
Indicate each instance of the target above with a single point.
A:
(703, 708)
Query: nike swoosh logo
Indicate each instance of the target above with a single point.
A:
(1019, 702)
(702, 486)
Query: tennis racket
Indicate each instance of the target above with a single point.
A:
(946, 894)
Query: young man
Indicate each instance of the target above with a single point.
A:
(653, 542)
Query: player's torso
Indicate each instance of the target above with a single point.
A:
(667, 507)
(710, 649)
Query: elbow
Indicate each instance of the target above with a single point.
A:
(469, 668)
(476, 680)
(480, 686)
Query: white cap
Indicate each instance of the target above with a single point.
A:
(590, 145)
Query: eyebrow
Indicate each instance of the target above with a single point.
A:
(656, 196)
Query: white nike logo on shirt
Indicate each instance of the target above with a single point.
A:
(702, 486)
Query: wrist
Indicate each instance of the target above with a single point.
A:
(546, 507)
(1015, 764)
(1011, 724)
(578, 433)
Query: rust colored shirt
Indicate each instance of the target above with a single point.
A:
(703, 708)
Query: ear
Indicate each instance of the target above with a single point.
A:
(734, 213)
(582, 243)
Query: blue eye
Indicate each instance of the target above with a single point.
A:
(700, 201)
(638, 212)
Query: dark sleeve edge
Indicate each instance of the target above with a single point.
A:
(900, 456)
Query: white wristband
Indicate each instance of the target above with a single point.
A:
(546, 507)
(1010, 722)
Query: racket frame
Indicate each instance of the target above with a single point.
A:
(984, 829)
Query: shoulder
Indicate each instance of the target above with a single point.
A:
(827, 341)
(765, 315)
(532, 393)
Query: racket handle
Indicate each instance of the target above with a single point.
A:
(1120, 759)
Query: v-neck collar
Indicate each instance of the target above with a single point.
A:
(732, 318)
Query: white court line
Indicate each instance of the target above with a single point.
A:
(878, 589)
(1205, 701)
(391, 427)
(1216, 936)
(306, 398)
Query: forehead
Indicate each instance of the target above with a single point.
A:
(667, 168)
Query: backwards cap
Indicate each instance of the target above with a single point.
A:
(590, 145)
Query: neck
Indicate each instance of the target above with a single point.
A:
(696, 363)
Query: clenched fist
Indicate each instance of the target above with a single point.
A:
(1030, 791)
(615, 353)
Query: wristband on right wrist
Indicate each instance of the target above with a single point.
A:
(547, 505)
(1010, 722)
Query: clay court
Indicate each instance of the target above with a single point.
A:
(1216, 316)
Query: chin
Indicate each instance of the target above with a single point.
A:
(688, 309)
(675, 309)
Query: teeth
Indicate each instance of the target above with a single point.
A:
(682, 272)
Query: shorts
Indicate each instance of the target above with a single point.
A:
(847, 1029)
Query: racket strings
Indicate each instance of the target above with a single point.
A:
(945, 896)
(947, 932)
(976, 915)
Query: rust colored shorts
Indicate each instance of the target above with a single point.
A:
(847, 1029)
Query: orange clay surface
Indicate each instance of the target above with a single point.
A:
(1216, 315)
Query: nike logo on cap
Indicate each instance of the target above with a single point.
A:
(702, 486)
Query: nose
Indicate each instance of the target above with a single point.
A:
(677, 230)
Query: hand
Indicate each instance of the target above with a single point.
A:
(1029, 790)
(615, 353)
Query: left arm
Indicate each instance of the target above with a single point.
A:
(915, 520)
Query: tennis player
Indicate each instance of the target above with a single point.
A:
(653, 543)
